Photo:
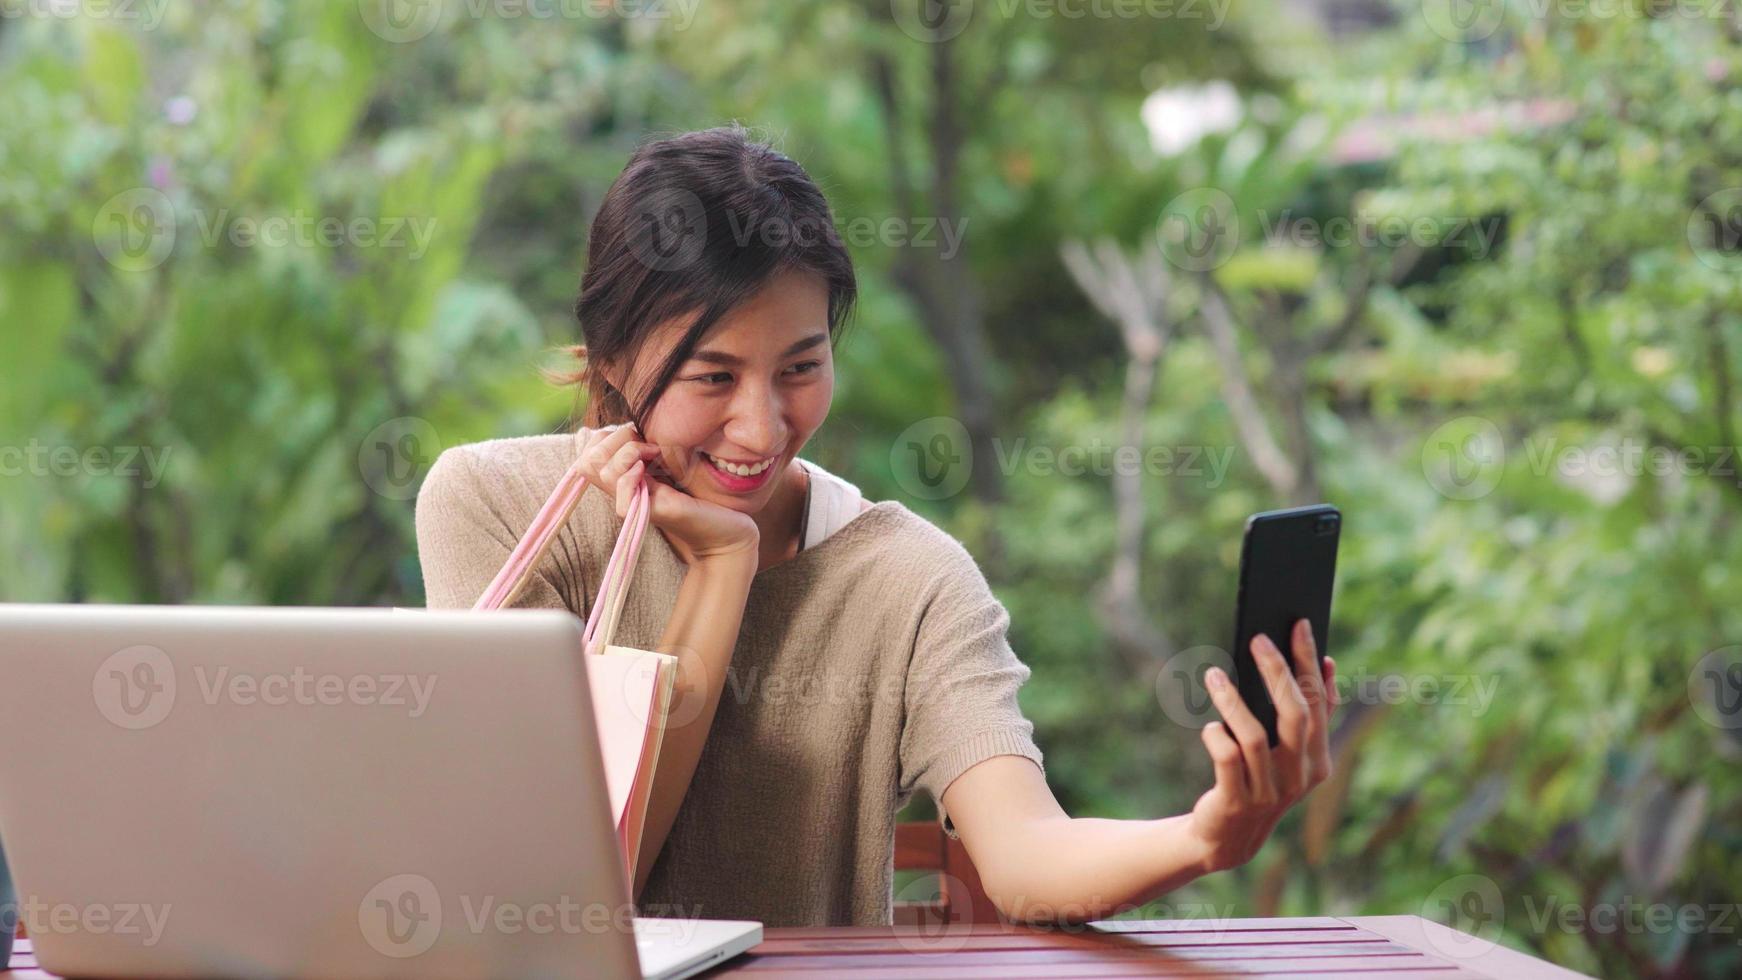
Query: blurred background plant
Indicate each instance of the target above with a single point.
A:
(1469, 271)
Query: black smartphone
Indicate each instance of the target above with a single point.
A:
(1288, 563)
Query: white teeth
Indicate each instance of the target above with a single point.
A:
(738, 470)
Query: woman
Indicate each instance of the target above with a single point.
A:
(836, 655)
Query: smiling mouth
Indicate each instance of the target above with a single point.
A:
(740, 470)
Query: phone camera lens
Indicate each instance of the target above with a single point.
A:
(1327, 524)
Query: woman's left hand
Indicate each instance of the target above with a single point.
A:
(1255, 783)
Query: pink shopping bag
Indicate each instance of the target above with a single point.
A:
(631, 689)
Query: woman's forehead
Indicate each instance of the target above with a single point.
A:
(791, 307)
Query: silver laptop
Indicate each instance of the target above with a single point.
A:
(254, 792)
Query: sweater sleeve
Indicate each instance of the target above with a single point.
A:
(962, 681)
(466, 528)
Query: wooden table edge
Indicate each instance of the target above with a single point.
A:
(1476, 955)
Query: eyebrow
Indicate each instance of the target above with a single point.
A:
(732, 360)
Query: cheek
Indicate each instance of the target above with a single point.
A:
(681, 419)
(810, 406)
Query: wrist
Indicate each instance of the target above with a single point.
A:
(737, 560)
(1199, 856)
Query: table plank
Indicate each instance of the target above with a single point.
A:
(1357, 947)
(1318, 947)
(1484, 958)
(923, 942)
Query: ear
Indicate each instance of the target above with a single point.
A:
(611, 373)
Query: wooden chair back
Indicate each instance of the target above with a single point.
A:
(923, 846)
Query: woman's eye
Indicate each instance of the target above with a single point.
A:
(717, 378)
(806, 367)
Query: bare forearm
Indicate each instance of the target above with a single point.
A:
(702, 632)
(1090, 868)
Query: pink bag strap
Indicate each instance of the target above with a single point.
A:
(535, 543)
(619, 572)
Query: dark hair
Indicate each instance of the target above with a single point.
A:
(695, 223)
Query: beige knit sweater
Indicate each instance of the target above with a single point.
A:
(869, 666)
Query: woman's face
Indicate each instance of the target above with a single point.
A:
(758, 384)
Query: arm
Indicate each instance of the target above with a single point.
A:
(701, 633)
(1039, 864)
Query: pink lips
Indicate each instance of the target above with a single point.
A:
(733, 483)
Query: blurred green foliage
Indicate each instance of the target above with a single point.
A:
(1602, 155)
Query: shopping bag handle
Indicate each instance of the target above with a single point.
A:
(535, 543)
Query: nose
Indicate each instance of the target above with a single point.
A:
(757, 420)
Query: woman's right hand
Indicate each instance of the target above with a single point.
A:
(614, 459)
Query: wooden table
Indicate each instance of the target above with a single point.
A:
(1370, 948)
